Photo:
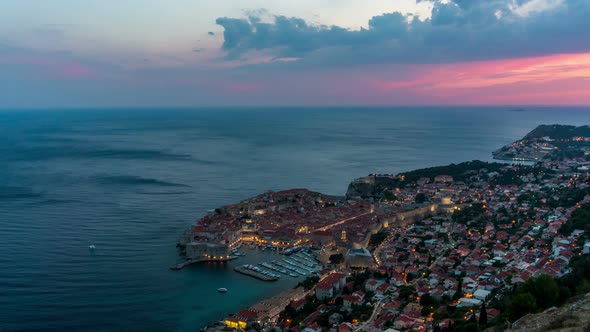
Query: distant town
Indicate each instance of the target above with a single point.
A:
(463, 247)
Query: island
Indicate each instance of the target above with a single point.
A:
(461, 247)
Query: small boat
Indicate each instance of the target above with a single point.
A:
(91, 247)
(222, 290)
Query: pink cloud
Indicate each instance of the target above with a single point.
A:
(536, 80)
(49, 66)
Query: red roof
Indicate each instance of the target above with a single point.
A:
(246, 315)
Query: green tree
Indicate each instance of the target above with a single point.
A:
(543, 288)
(420, 198)
(336, 258)
(459, 292)
(521, 305)
(406, 291)
(389, 196)
(483, 315)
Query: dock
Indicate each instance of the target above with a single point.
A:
(254, 274)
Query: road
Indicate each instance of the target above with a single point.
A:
(376, 311)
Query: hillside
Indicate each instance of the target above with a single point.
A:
(572, 317)
(382, 186)
(558, 132)
(549, 142)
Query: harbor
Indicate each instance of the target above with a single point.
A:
(247, 270)
(300, 264)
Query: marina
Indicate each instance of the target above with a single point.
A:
(245, 269)
(301, 264)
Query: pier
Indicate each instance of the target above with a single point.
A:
(254, 274)
(188, 262)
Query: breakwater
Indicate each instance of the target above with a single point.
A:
(188, 262)
(254, 274)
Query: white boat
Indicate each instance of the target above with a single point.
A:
(222, 290)
(91, 247)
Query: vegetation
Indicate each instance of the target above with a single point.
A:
(309, 282)
(535, 294)
(558, 132)
(512, 176)
(567, 197)
(469, 213)
(337, 258)
(459, 292)
(389, 196)
(578, 280)
(483, 315)
(580, 219)
(406, 291)
(293, 317)
(542, 292)
(459, 172)
(420, 198)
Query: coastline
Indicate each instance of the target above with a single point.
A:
(260, 205)
(139, 223)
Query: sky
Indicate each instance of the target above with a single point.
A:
(187, 53)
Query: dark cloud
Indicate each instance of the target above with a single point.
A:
(457, 31)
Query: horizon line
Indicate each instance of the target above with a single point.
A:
(514, 106)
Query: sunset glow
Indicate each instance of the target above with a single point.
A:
(535, 80)
(262, 52)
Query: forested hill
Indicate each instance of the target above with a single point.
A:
(556, 131)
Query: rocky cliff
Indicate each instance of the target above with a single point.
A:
(371, 187)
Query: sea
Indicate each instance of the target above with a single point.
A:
(130, 181)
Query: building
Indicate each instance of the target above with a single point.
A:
(359, 258)
(207, 251)
(469, 302)
(242, 319)
(330, 285)
(481, 294)
(324, 291)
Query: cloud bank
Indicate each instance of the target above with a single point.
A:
(460, 30)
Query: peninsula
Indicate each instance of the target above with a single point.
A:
(549, 142)
(465, 246)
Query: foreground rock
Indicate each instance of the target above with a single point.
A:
(572, 317)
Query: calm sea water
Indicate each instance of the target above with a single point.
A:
(130, 181)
